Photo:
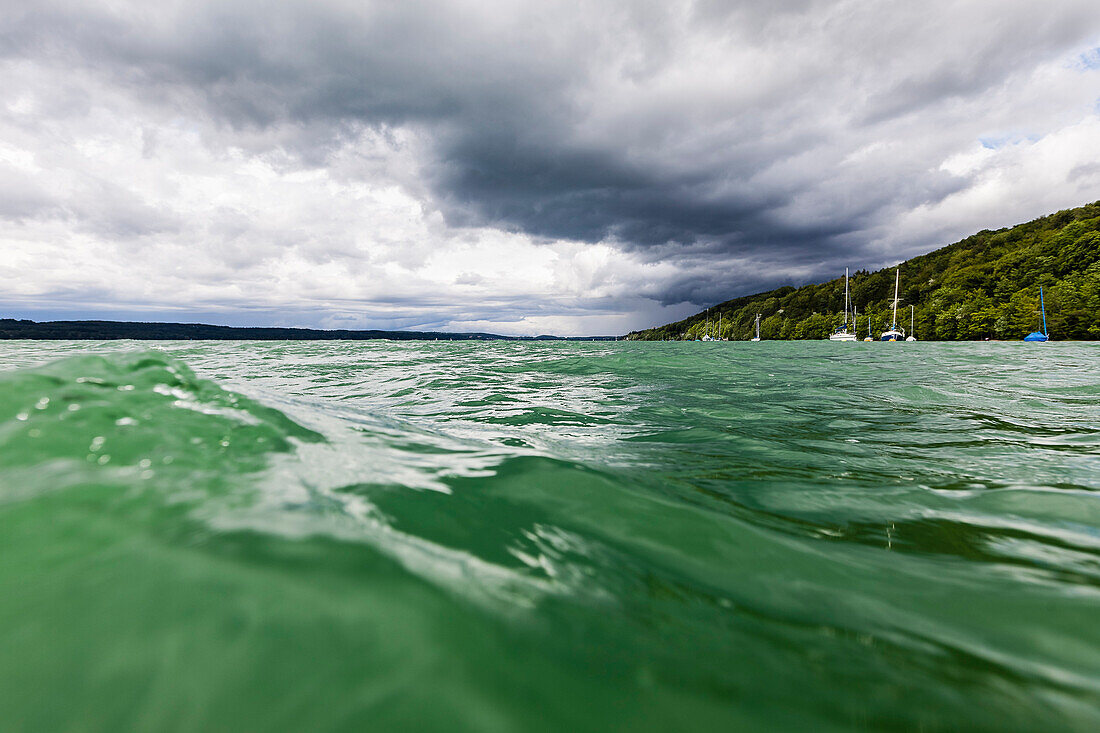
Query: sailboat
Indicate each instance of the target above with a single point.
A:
(1043, 335)
(707, 336)
(912, 328)
(757, 337)
(869, 329)
(895, 333)
(842, 333)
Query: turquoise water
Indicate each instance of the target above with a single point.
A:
(345, 536)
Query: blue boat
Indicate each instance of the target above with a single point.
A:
(1043, 335)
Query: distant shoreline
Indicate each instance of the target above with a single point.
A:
(12, 329)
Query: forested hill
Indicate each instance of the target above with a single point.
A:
(986, 286)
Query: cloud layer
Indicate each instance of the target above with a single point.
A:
(524, 168)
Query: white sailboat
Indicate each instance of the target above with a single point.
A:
(912, 328)
(757, 337)
(895, 333)
(842, 333)
(707, 336)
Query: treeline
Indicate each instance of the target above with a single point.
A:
(115, 330)
(986, 286)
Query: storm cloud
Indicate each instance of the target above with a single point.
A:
(521, 167)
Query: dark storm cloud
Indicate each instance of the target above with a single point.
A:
(501, 105)
(586, 195)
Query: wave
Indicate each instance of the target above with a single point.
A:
(544, 536)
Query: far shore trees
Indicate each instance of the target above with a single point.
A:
(984, 287)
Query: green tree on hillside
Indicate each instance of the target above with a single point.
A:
(985, 286)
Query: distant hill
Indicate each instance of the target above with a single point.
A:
(986, 286)
(113, 330)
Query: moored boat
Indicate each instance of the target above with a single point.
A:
(1044, 335)
(842, 333)
(894, 333)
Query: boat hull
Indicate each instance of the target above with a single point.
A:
(843, 337)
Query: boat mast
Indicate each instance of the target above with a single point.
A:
(897, 279)
(719, 324)
(911, 320)
(846, 300)
(1043, 307)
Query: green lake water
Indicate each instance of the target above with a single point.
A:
(471, 536)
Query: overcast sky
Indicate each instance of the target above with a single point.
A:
(517, 167)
